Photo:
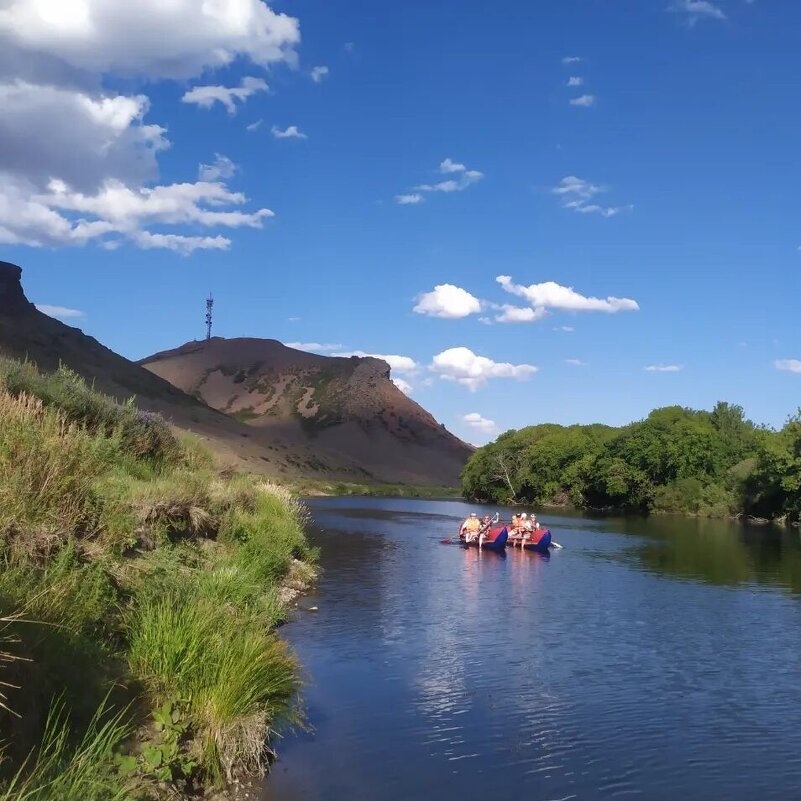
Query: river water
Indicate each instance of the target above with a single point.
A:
(657, 658)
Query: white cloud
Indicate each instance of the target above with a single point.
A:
(575, 80)
(583, 101)
(411, 199)
(568, 329)
(476, 421)
(312, 347)
(576, 193)
(404, 386)
(36, 219)
(520, 314)
(400, 364)
(790, 365)
(319, 73)
(47, 132)
(449, 165)
(207, 96)
(576, 362)
(449, 301)
(290, 132)
(78, 164)
(185, 245)
(550, 295)
(571, 59)
(176, 39)
(461, 178)
(467, 368)
(696, 10)
(575, 186)
(222, 169)
(126, 209)
(254, 126)
(60, 312)
(663, 368)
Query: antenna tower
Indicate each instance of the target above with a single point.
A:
(209, 307)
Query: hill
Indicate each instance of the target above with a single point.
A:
(346, 412)
(354, 424)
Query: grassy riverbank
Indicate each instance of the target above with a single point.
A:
(139, 588)
(348, 489)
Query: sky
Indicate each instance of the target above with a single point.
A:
(569, 212)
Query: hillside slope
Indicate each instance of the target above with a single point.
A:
(27, 334)
(372, 432)
(346, 410)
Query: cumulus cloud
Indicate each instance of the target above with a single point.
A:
(583, 101)
(449, 301)
(663, 368)
(411, 199)
(79, 164)
(459, 178)
(575, 362)
(576, 194)
(575, 80)
(404, 386)
(61, 312)
(520, 314)
(221, 169)
(318, 74)
(207, 96)
(696, 10)
(463, 179)
(568, 329)
(790, 365)
(479, 423)
(400, 364)
(49, 218)
(290, 132)
(472, 371)
(550, 295)
(312, 347)
(79, 137)
(185, 245)
(179, 39)
(254, 126)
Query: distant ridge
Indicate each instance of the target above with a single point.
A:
(349, 423)
(346, 410)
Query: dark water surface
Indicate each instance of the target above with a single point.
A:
(655, 658)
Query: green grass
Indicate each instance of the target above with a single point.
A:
(154, 582)
(66, 771)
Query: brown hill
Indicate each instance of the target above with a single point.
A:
(283, 447)
(347, 411)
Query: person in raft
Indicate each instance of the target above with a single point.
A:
(521, 527)
(470, 528)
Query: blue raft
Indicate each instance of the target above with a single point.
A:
(495, 542)
(541, 545)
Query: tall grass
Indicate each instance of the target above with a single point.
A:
(239, 677)
(61, 771)
(48, 466)
(145, 569)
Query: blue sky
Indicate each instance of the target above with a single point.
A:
(664, 178)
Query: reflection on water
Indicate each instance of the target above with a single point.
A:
(654, 658)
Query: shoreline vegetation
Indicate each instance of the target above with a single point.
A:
(140, 589)
(676, 461)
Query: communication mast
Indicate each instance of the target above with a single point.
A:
(209, 307)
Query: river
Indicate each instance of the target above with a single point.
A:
(655, 658)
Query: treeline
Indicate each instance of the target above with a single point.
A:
(715, 464)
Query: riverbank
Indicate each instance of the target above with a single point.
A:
(336, 489)
(139, 592)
